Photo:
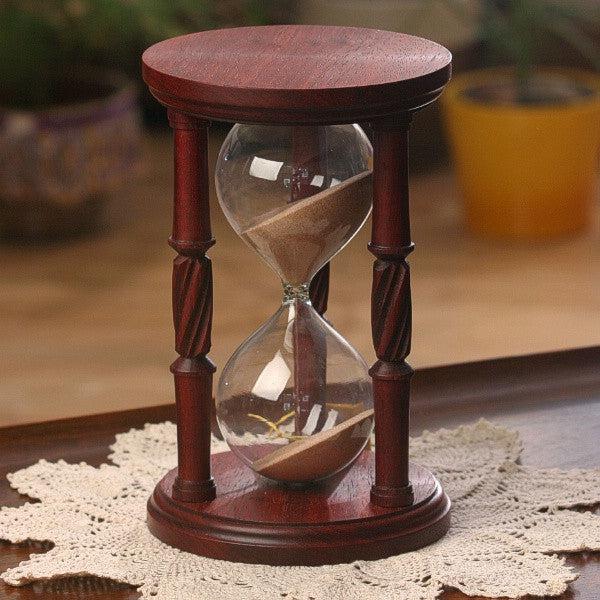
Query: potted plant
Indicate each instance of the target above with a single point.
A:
(69, 118)
(525, 137)
(431, 19)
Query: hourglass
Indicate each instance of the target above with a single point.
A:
(294, 402)
(296, 178)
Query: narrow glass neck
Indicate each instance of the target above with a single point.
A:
(295, 292)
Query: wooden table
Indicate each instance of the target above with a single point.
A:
(552, 399)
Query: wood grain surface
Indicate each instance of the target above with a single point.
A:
(287, 73)
(254, 521)
(553, 400)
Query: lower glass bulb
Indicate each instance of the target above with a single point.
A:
(294, 402)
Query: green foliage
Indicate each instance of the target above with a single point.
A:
(41, 38)
(519, 31)
(27, 46)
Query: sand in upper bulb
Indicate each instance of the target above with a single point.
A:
(303, 236)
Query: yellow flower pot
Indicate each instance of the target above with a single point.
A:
(524, 171)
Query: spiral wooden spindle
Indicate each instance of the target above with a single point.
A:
(391, 312)
(192, 309)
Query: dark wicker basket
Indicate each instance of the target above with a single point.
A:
(58, 164)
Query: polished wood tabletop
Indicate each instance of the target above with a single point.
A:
(553, 400)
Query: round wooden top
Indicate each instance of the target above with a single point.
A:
(296, 73)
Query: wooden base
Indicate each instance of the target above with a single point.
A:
(254, 520)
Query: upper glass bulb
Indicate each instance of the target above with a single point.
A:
(297, 195)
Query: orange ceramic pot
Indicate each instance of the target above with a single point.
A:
(525, 171)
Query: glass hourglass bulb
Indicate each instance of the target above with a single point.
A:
(294, 402)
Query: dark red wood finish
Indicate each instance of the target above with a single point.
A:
(302, 76)
(310, 350)
(307, 159)
(257, 521)
(192, 308)
(552, 399)
(319, 290)
(391, 310)
(296, 74)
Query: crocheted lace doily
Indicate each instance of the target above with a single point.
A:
(507, 522)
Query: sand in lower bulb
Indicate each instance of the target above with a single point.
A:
(319, 455)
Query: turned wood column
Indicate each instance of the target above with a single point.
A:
(310, 347)
(319, 290)
(391, 311)
(192, 309)
(308, 161)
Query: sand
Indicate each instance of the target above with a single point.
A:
(299, 239)
(319, 455)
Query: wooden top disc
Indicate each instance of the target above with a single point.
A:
(300, 74)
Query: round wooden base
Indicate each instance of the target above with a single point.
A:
(254, 520)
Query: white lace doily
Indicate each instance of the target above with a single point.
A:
(507, 523)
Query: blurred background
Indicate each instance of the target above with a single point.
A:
(86, 195)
